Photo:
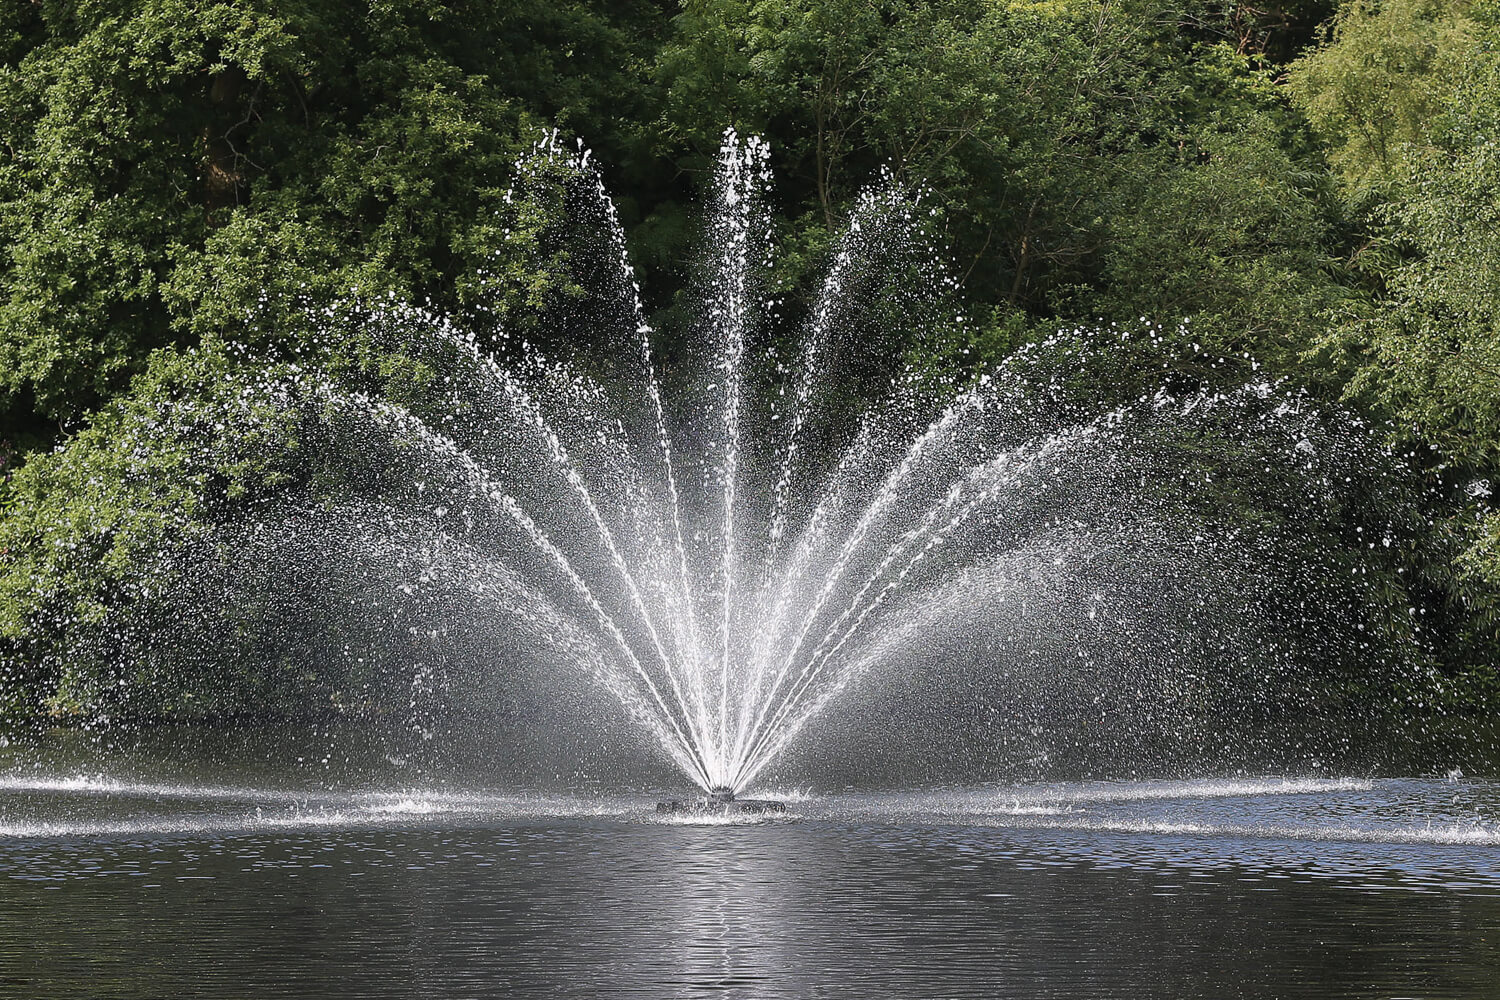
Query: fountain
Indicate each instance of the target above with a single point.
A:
(721, 800)
(731, 543)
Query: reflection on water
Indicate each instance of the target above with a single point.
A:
(1244, 887)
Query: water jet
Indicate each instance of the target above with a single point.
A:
(790, 520)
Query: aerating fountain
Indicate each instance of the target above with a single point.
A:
(791, 510)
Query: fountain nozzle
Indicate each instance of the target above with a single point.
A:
(720, 801)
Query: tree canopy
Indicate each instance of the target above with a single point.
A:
(1310, 190)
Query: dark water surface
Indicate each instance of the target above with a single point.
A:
(1262, 887)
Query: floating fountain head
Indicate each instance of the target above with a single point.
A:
(729, 549)
(720, 801)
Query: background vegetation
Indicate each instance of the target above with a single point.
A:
(1311, 185)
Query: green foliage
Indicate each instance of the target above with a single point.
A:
(1089, 160)
(182, 182)
(1373, 87)
(77, 524)
(166, 166)
(1424, 347)
(1235, 241)
(105, 539)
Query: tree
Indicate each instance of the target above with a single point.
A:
(1424, 345)
(1054, 138)
(167, 166)
(1374, 85)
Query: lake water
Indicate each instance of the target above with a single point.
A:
(116, 885)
